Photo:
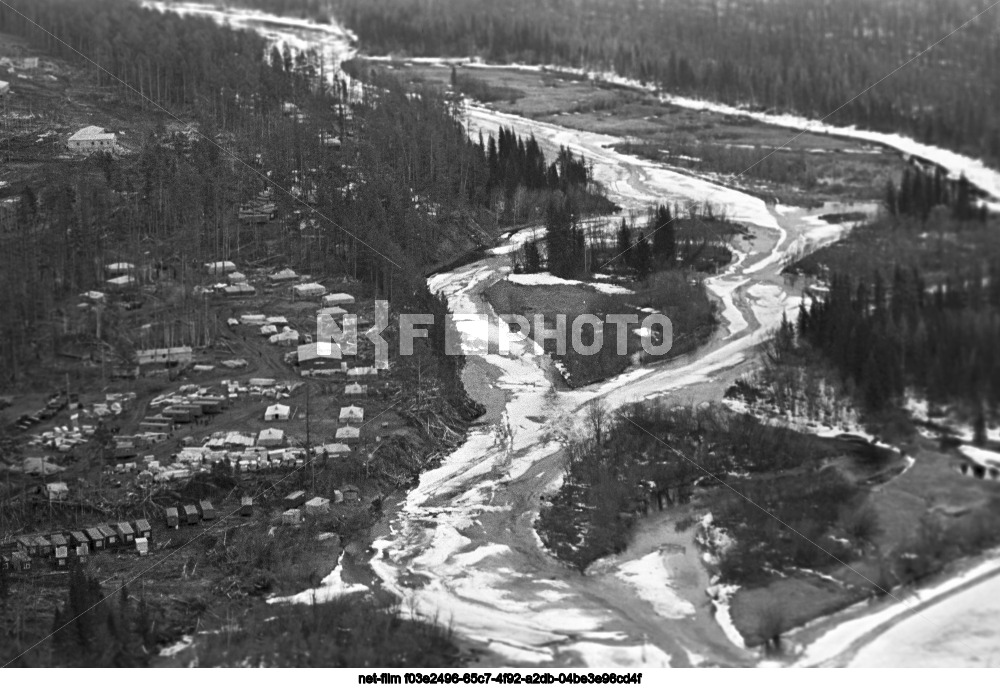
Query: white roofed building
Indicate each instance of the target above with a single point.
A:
(119, 268)
(352, 414)
(310, 290)
(355, 389)
(277, 412)
(348, 434)
(220, 267)
(271, 437)
(91, 140)
(320, 355)
(338, 300)
(285, 338)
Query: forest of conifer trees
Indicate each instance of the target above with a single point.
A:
(811, 57)
(892, 337)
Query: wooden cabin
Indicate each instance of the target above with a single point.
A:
(143, 529)
(206, 510)
(294, 500)
(190, 515)
(96, 538)
(111, 538)
(125, 533)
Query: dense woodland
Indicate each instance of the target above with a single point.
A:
(812, 57)
(888, 336)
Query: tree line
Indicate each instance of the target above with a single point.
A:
(922, 189)
(637, 247)
(888, 337)
(811, 57)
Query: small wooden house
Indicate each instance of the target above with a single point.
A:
(294, 500)
(351, 493)
(28, 545)
(206, 510)
(125, 533)
(96, 538)
(355, 389)
(143, 529)
(77, 538)
(190, 515)
(317, 505)
(45, 548)
(20, 561)
(59, 540)
(172, 517)
(111, 538)
(291, 517)
(246, 506)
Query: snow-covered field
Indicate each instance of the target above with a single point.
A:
(651, 580)
(906, 642)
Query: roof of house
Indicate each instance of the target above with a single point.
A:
(283, 336)
(92, 133)
(190, 509)
(106, 531)
(277, 408)
(271, 434)
(125, 528)
(171, 511)
(142, 525)
(318, 501)
(94, 533)
(352, 412)
(220, 265)
(309, 288)
(205, 504)
(310, 352)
